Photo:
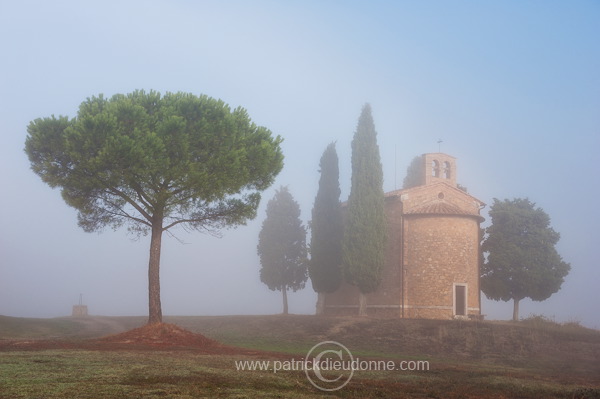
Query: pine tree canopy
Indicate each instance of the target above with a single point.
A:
(153, 162)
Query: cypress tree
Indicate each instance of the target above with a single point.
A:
(364, 228)
(326, 229)
(282, 246)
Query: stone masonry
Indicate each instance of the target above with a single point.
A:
(432, 254)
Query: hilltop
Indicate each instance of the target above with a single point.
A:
(529, 359)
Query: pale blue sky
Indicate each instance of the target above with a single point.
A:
(511, 87)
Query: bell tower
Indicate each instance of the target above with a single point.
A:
(439, 167)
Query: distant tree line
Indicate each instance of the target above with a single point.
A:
(350, 250)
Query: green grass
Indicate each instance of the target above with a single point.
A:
(265, 344)
(533, 358)
(16, 327)
(93, 374)
(178, 374)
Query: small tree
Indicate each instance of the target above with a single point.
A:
(326, 229)
(522, 261)
(414, 173)
(282, 246)
(154, 162)
(364, 225)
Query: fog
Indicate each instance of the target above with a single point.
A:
(511, 88)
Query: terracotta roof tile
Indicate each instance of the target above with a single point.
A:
(440, 208)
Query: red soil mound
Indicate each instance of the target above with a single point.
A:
(161, 335)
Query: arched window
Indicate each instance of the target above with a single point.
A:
(435, 169)
(447, 171)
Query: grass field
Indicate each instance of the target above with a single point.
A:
(530, 359)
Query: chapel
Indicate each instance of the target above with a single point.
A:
(433, 252)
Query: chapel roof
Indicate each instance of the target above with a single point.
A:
(441, 208)
(432, 186)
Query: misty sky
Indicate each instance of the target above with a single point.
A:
(512, 88)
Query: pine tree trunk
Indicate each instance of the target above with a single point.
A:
(320, 303)
(285, 301)
(362, 304)
(155, 309)
(516, 309)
